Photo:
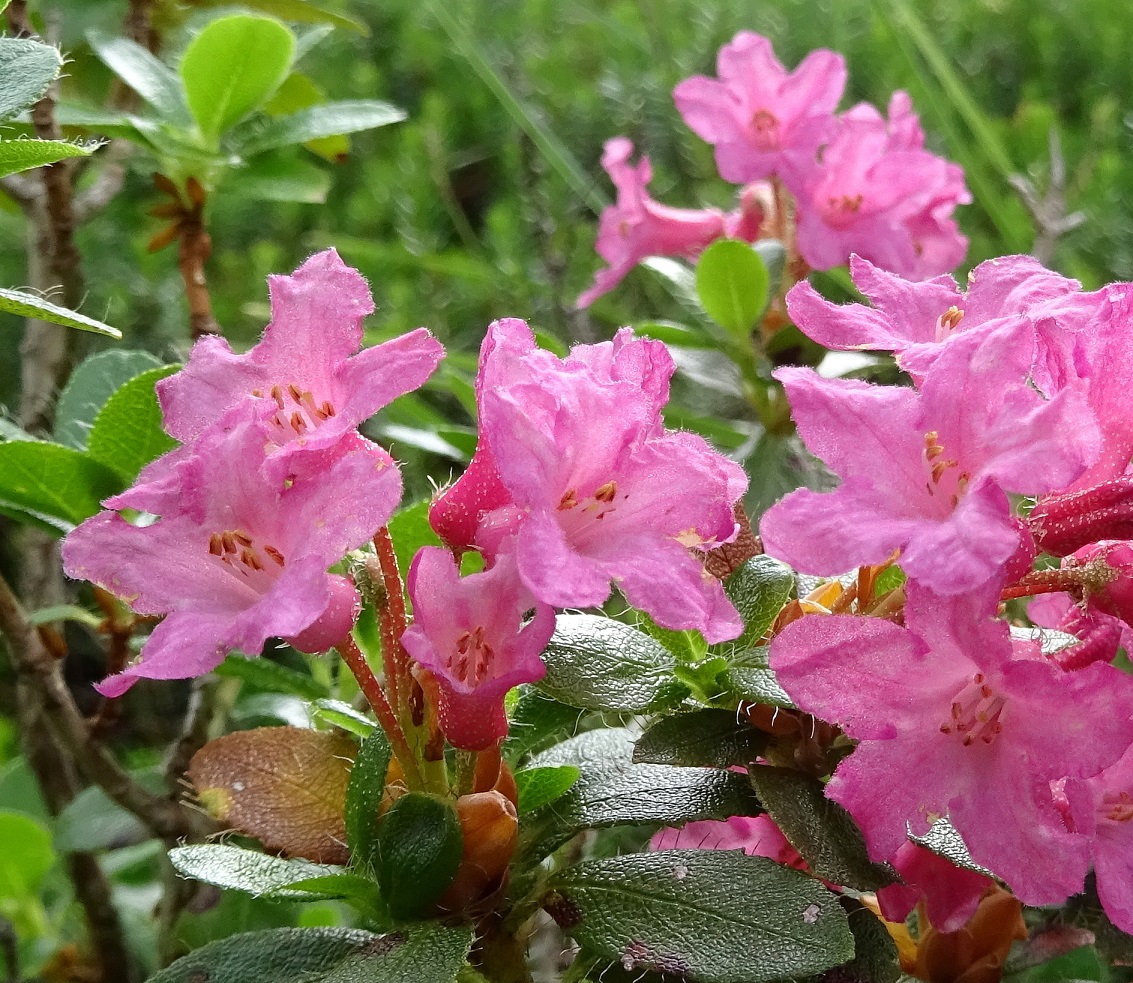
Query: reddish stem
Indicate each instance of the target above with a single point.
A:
(392, 622)
(372, 690)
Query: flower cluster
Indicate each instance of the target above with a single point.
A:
(861, 182)
(575, 484)
(231, 535)
(1027, 754)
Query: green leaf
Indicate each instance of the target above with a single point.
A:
(245, 870)
(820, 829)
(232, 68)
(712, 738)
(92, 821)
(759, 589)
(271, 676)
(364, 795)
(679, 912)
(27, 68)
(541, 786)
(65, 612)
(143, 72)
(418, 851)
(57, 484)
(342, 715)
(26, 858)
(126, 434)
(732, 284)
(612, 791)
(326, 120)
(298, 92)
(296, 11)
(29, 305)
(428, 953)
(749, 677)
(875, 954)
(687, 646)
(282, 179)
(90, 386)
(536, 722)
(20, 155)
(596, 663)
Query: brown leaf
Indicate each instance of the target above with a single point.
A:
(164, 237)
(283, 785)
(166, 186)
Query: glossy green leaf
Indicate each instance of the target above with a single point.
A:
(426, 953)
(232, 68)
(417, 852)
(300, 91)
(326, 120)
(596, 663)
(143, 72)
(612, 791)
(749, 678)
(126, 434)
(26, 858)
(29, 305)
(59, 485)
(820, 829)
(364, 795)
(271, 676)
(20, 155)
(710, 738)
(732, 284)
(759, 589)
(709, 915)
(253, 873)
(90, 386)
(281, 179)
(541, 786)
(342, 715)
(27, 68)
(875, 954)
(536, 722)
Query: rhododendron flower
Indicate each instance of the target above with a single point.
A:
(469, 633)
(879, 194)
(955, 719)
(927, 472)
(1107, 585)
(757, 836)
(951, 894)
(1099, 635)
(1102, 810)
(307, 367)
(637, 226)
(576, 475)
(245, 558)
(761, 119)
(915, 319)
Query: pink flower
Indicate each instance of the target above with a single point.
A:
(1099, 634)
(469, 633)
(879, 194)
(637, 226)
(761, 119)
(916, 319)
(757, 836)
(927, 472)
(1068, 522)
(576, 475)
(956, 720)
(245, 558)
(951, 894)
(307, 367)
(1102, 809)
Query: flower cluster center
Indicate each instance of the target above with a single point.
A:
(1117, 807)
(943, 478)
(765, 127)
(975, 713)
(298, 411)
(473, 655)
(841, 210)
(241, 554)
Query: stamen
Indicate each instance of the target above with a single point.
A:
(298, 423)
(228, 541)
(242, 538)
(274, 554)
(216, 545)
(250, 558)
(569, 499)
(277, 395)
(328, 409)
(606, 492)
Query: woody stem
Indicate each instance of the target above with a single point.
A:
(372, 690)
(392, 621)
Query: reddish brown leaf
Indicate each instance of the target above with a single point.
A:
(283, 785)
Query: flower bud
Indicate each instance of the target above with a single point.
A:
(976, 952)
(490, 825)
(1063, 524)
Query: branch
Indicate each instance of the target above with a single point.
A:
(21, 188)
(1048, 211)
(38, 671)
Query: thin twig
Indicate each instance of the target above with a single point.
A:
(1048, 211)
(38, 671)
(21, 188)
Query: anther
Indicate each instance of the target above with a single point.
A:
(569, 500)
(606, 492)
(274, 554)
(277, 395)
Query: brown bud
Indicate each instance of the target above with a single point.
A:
(490, 825)
(976, 952)
(1062, 524)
